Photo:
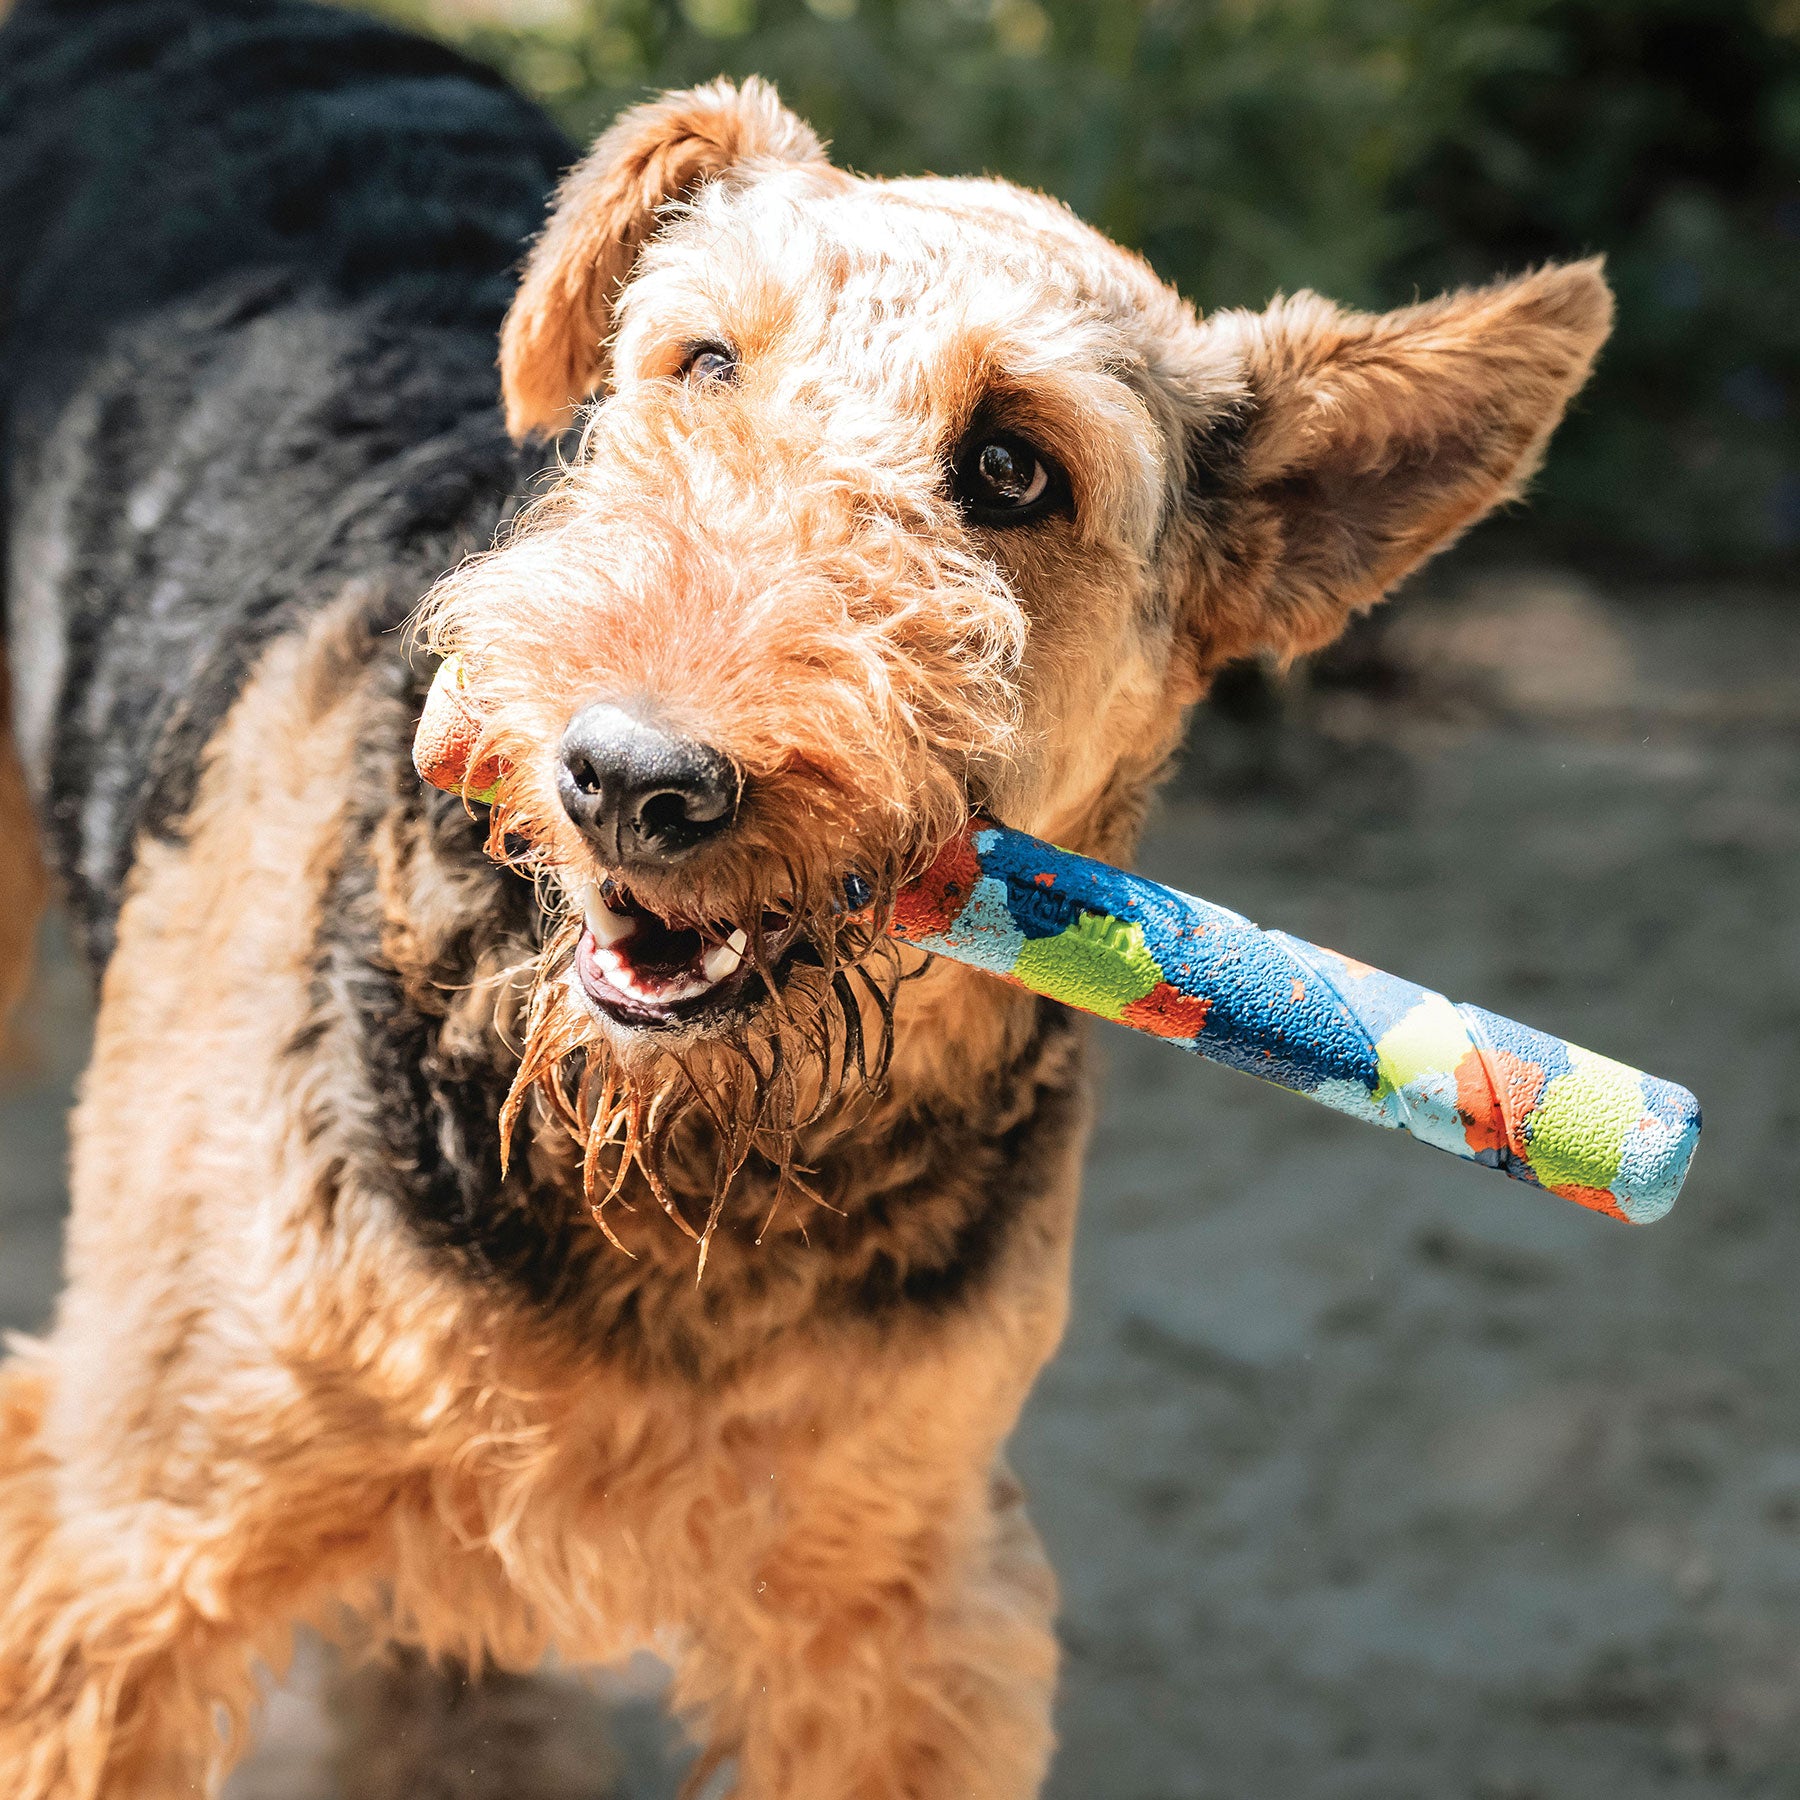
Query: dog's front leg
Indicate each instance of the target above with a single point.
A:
(891, 1641)
(131, 1620)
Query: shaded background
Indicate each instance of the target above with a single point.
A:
(1370, 1475)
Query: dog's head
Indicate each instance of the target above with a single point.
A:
(898, 497)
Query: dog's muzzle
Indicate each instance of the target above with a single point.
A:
(643, 796)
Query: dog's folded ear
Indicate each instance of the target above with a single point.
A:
(1360, 443)
(553, 345)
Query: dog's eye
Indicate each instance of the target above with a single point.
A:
(709, 362)
(1000, 479)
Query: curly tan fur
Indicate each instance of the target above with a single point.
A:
(267, 1400)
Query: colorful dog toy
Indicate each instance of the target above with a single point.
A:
(1480, 1086)
(1207, 980)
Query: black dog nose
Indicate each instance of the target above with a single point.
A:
(642, 794)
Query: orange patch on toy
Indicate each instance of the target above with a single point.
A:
(1491, 1090)
(449, 729)
(1600, 1200)
(929, 905)
(1167, 1012)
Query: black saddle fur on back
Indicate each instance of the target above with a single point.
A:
(253, 259)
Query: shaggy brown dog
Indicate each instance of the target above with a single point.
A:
(891, 497)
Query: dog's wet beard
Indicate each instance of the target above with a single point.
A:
(698, 1121)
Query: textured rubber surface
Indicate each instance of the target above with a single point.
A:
(1369, 1044)
(445, 740)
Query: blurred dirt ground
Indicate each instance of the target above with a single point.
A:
(1370, 1475)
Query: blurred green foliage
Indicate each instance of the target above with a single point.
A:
(1373, 149)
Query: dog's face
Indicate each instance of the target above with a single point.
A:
(898, 498)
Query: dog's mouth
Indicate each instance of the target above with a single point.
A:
(645, 971)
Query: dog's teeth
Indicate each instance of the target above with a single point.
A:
(723, 959)
(621, 974)
(608, 927)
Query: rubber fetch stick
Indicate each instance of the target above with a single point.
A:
(1484, 1088)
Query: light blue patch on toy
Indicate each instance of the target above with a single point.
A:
(1428, 1105)
(984, 933)
(1653, 1159)
(1353, 1098)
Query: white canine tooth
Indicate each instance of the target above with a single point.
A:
(608, 927)
(723, 959)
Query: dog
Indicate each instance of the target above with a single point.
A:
(563, 1221)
